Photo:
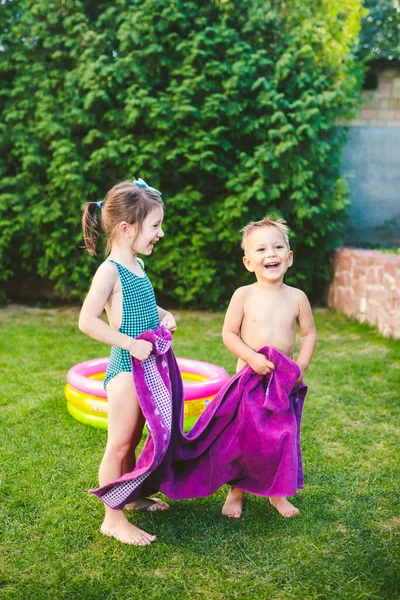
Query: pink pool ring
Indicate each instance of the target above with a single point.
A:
(215, 377)
(87, 398)
(78, 377)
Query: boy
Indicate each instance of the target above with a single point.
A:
(265, 313)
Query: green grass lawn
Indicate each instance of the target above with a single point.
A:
(344, 544)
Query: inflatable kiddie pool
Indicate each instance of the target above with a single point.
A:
(87, 398)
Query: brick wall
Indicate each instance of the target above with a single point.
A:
(382, 106)
(366, 286)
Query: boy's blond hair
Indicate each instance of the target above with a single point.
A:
(280, 224)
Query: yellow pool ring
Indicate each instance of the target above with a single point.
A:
(194, 408)
(93, 405)
(101, 422)
(92, 409)
(90, 404)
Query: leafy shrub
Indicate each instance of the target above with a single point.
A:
(229, 108)
(380, 31)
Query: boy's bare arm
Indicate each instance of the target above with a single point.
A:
(233, 341)
(308, 334)
(232, 325)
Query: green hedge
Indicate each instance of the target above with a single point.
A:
(229, 108)
(380, 31)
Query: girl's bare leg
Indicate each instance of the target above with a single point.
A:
(234, 503)
(125, 422)
(130, 460)
(143, 504)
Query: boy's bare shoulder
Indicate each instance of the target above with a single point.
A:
(296, 294)
(242, 292)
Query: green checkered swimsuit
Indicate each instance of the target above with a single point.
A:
(139, 313)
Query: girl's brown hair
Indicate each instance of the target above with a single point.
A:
(126, 201)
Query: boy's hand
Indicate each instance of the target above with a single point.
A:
(300, 378)
(169, 322)
(260, 364)
(141, 349)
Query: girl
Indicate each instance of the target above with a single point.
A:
(131, 217)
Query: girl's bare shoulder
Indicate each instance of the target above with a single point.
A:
(107, 272)
(107, 267)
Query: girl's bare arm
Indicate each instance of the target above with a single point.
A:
(167, 319)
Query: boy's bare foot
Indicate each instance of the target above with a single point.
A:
(233, 504)
(284, 507)
(147, 504)
(123, 531)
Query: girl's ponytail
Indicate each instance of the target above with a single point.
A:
(90, 226)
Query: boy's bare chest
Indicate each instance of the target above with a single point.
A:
(260, 310)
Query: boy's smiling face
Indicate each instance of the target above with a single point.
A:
(266, 254)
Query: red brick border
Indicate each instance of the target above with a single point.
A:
(366, 286)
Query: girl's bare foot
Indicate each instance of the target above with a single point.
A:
(119, 528)
(284, 507)
(147, 504)
(233, 504)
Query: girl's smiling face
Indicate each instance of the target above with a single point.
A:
(267, 255)
(151, 231)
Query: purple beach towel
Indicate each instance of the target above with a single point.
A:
(248, 436)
